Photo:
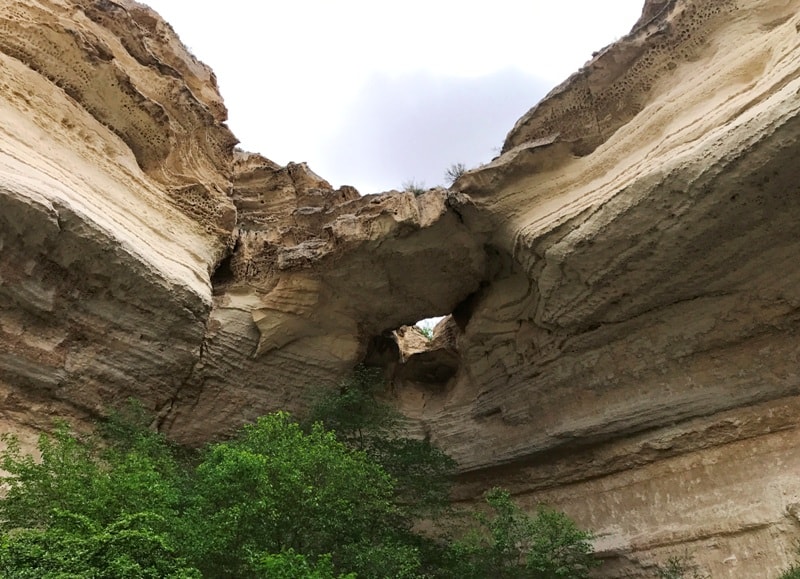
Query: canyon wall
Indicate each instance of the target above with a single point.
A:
(621, 284)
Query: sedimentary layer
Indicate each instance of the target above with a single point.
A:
(620, 283)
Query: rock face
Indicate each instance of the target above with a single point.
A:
(623, 278)
(114, 173)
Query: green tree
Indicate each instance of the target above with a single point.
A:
(275, 488)
(291, 565)
(275, 501)
(357, 411)
(75, 546)
(511, 544)
(82, 475)
(87, 510)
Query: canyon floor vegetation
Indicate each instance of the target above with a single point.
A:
(336, 495)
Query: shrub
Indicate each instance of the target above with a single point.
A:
(512, 544)
(425, 331)
(453, 172)
(75, 546)
(277, 500)
(682, 567)
(291, 565)
(363, 420)
(276, 488)
(89, 510)
(414, 186)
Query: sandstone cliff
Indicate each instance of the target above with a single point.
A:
(622, 279)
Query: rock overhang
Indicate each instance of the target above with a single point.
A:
(622, 279)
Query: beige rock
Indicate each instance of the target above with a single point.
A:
(105, 242)
(316, 279)
(652, 294)
(622, 280)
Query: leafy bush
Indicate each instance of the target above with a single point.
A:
(275, 488)
(86, 510)
(75, 546)
(682, 567)
(130, 507)
(291, 565)
(364, 421)
(511, 544)
(278, 500)
(355, 411)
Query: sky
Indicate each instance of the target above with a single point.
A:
(375, 94)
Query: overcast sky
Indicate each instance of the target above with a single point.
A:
(374, 93)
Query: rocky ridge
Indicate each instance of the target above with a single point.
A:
(622, 279)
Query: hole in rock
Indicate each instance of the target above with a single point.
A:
(463, 311)
(421, 364)
(382, 351)
(223, 274)
(427, 325)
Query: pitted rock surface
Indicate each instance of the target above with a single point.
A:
(622, 282)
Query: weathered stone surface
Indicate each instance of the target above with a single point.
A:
(315, 277)
(107, 237)
(636, 363)
(142, 255)
(623, 278)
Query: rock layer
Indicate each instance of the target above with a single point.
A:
(622, 279)
(106, 235)
(640, 356)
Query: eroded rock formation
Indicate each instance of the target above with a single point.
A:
(622, 279)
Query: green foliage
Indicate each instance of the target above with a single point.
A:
(79, 475)
(362, 420)
(75, 546)
(413, 186)
(86, 510)
(355, 411)
(682, 567)
(275, 488)
(275, 501)
(422, 472)
(454, 171)
(512, 544)
(425, 331)
(272, 498)
(64, 479)
(291, 565)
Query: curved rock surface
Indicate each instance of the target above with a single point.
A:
(622, 279)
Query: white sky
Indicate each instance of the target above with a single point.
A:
(373, 93)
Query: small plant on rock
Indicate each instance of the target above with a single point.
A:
(425, 331)
(414, 186)
(454, 171)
